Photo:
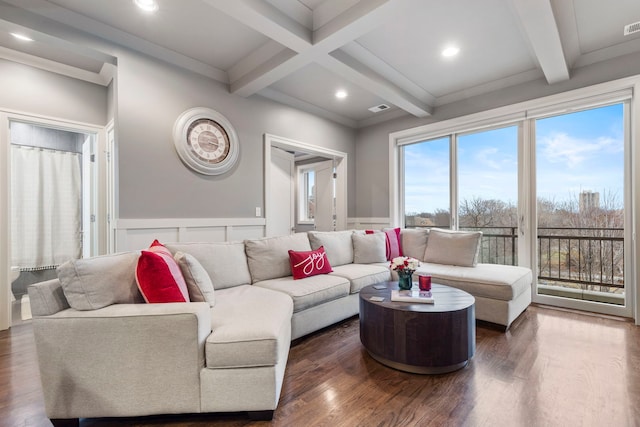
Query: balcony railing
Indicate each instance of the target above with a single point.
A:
(588, 259)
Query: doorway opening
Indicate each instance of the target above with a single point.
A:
(287, 163)
(52, 199)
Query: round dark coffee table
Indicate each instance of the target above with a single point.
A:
(420, 338)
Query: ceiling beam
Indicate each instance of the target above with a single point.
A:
(541, 29)
(252, 76)
(268, 20)
(350, 69)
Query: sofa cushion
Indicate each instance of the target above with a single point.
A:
(309, 263)
(93, 283)
(246, 325)
(453, 247)
(195, 276)
(368, 248)
(309, 292)
(501, 282)
(361, 275)
(225, 263)
(337, 245)
(268, 258)
(414, 242)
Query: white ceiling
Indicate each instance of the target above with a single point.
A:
(299, 52)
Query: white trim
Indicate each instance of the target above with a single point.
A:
(146, 223)
(110, 187)
(5, 225)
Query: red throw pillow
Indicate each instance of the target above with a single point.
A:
(158, 276)
(309, 263)
(394, 244)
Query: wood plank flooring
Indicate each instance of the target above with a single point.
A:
(552, 368)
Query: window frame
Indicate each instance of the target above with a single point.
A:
(522, 115)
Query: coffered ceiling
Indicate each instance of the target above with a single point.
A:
(300, 52)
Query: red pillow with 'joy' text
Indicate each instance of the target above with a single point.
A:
(309, 263)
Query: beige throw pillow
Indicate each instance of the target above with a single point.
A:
(195, 276)
(369, 248)
(93, 283)
(453, 247)
(225, 263)
(414, 242)
(337, 245)
(268, 258)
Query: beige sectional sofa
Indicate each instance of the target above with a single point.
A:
(103, 353)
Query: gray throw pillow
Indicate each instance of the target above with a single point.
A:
(369, 248)
(414, 242)
(93, 283)
(198, 281)
(453, 247)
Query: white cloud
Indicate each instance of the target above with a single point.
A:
(562, 148)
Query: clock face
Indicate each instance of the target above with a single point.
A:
(206, 141)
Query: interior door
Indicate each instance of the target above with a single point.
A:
(324, 197)
(281, 195)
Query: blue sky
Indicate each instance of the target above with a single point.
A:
(575, 152)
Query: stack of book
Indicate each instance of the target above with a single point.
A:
(412, 296)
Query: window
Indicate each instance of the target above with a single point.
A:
(306, 195)
(487, 165)
(426, 184)
(550, 184)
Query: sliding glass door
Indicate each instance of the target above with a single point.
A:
(580, 194)
(549, 190)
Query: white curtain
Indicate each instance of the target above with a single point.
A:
(46, 222)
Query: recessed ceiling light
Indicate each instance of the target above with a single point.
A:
(450, 51)
(341, 94)
(147, 5)
(22, 37)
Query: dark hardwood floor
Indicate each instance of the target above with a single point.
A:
(552, 368)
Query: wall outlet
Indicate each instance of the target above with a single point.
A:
(258, 211)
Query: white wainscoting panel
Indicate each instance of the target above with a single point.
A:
(138, 233)
(368, 223)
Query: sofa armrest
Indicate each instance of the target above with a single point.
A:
(122, 360)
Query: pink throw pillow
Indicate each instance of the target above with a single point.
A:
(309, 263)
(394, 244)
(158, 276)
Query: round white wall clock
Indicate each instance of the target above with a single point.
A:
(206, 141)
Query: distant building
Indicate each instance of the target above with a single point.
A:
(589, 200)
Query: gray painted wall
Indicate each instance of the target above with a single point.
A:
(153, 181)
(31, 90)
(372, 143)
